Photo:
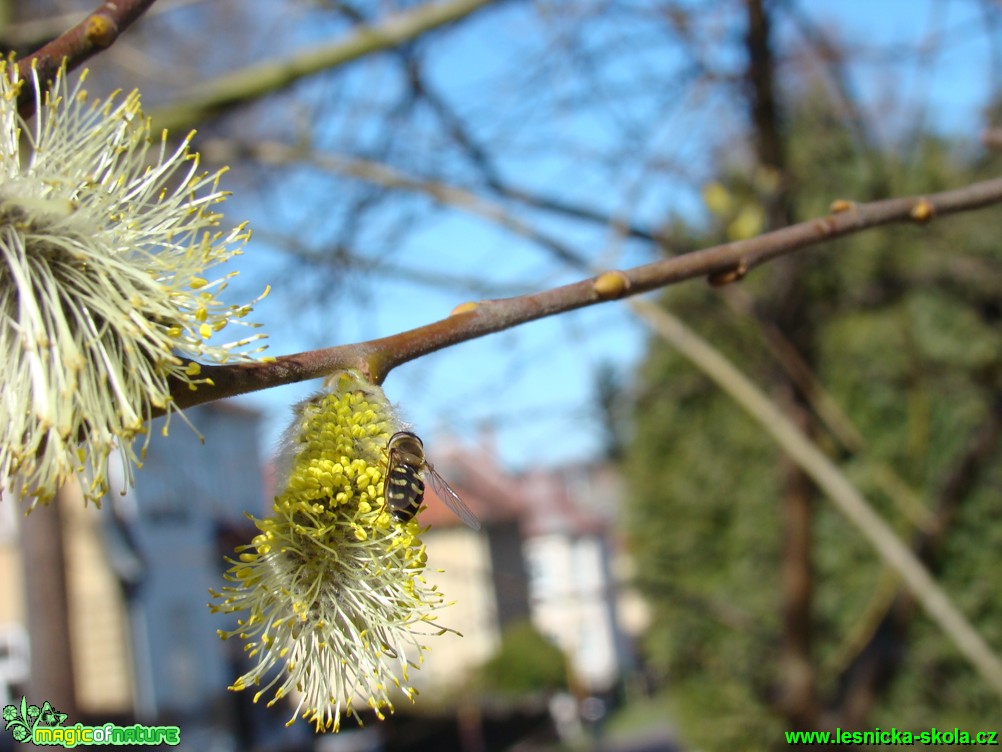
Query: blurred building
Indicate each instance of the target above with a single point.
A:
(482, 573)
(144, 644)
(571, 548)
(14, 656)
(186, 514)
(139, 570)
(98, 632)
(548, 551)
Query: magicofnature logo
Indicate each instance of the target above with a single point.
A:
(43, 726)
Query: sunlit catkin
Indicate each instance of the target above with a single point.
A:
(333, 598)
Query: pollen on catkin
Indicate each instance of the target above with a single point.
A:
(332, 588)
(108, 241)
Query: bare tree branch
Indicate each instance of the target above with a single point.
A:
(382, 175)
(470, 321)
(96, 32)
(483, 162)
(256, 81)
(344, 259)
(795, 694)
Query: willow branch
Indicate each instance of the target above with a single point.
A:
(96, 32)
(254, 82)
(720, 263)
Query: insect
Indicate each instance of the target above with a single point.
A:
(406, 471)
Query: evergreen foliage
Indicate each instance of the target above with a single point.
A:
(905, 339)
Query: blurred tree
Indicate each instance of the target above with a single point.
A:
(526, 663)
(905, 341)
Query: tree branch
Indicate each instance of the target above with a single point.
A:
(726, 262)
(377, 173)
(94, 33)
(992, 138)
(257, 81)
(796, 692)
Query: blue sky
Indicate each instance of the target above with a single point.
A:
(534, 386)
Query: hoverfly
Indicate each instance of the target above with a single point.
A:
(403, 487)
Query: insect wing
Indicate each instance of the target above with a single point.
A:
(444, 491)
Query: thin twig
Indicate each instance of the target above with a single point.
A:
(378, 173)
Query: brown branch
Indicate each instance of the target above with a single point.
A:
(796, 689)
(470, 321)
(94, 33)
(992, 138)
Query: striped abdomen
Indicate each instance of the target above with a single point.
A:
(404, 491)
